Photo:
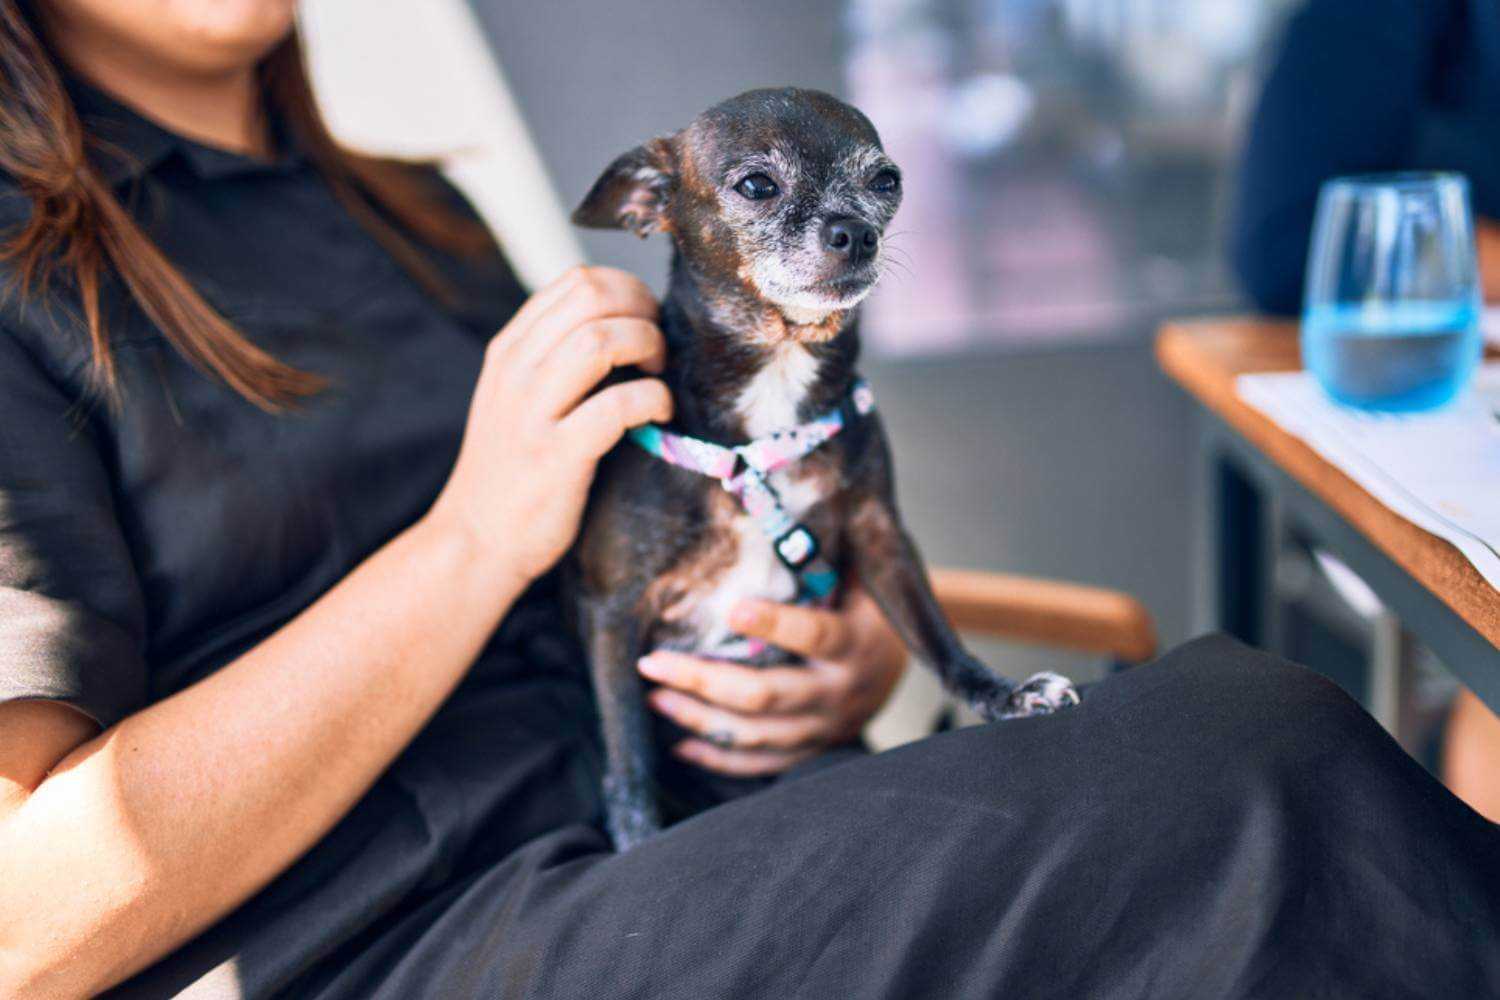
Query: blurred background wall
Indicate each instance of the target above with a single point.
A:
(596, 77)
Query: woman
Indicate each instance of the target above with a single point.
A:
(1385, 85)
(286, 704)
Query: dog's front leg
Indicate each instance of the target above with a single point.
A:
(613, 632)
(892, 571)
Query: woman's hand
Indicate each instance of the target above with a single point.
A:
(763, 720)
(537, 428)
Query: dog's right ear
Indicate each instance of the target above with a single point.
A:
(632, 192)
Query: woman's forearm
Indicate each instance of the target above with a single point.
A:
(148, 833)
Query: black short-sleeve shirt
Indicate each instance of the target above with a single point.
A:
(145, 545)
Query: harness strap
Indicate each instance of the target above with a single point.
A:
(745, 471)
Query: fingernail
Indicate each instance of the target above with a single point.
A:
(652, 667)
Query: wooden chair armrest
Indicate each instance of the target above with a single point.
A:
(1047, 612)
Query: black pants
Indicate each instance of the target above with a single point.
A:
(1217, 824)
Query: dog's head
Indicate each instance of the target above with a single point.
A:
(784, 194)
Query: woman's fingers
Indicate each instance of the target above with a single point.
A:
(740, 763)
(599, 293)
(581, 360)
(597, 424)
(755, 690)
(741, 732)
(536, 304)
(751, 721)
(543, 298)
(814, 633)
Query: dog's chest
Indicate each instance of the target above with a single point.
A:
(749, 567)
(768, 402)
(737, 561)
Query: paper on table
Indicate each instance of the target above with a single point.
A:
(1440, 470)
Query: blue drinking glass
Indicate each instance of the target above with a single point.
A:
(1392, 317)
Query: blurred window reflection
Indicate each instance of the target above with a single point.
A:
(1065, 161)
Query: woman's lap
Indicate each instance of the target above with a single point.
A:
(1217, 824)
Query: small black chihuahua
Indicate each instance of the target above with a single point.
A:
(774, 476)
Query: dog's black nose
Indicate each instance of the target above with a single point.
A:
(852, 238)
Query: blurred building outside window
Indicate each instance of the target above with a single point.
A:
(1066, 162)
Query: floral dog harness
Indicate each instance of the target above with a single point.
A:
(745, 471)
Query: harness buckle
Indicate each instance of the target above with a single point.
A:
(796, 548)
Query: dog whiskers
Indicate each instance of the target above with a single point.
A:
(891, 268)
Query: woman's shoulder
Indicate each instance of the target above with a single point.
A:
(445, 192)
(487, 291)
(40, 326)
(40, 333)
(15, 207)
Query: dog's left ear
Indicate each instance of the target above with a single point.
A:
(632, 192)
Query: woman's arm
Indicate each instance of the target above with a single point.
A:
(119, 848)
(144, 835)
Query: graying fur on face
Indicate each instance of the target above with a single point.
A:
(780, 241)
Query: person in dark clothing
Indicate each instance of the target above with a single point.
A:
(1369, 87)
(1374, 87)
(288, 706)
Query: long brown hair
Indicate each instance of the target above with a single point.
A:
(77, 227)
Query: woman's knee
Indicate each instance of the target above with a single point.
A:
(1216, 693)
(1219, 671)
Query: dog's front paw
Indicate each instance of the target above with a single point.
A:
(1042, 694)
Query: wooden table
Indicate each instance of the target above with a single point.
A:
(1259, 477)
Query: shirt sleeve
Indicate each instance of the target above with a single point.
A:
(1344, 96)
(72, 619)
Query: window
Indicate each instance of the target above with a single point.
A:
(1066, 162)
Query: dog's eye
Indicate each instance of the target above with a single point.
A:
(758, 187)
(886, 182)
